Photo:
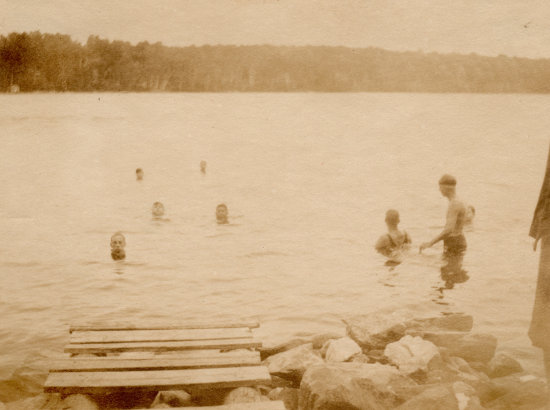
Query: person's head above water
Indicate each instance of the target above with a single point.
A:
(221, 214)
(392, 218)
(203, 166)
(158, 209)
(139, 174)
(447, 185)
(118, 242)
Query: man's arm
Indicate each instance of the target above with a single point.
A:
(452, 215)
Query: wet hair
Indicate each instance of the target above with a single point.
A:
(158, 203)
(221, 206)
(447, 180)
(392, 217)
(138, 170)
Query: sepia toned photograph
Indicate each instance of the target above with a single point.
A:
(275, 204)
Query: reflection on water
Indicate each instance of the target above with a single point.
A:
(307, 179)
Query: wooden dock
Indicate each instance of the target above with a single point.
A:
(125, 357)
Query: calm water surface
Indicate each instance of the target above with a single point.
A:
(307, 179)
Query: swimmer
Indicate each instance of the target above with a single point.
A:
(221, 214)
(395, 241)
(158, 210)
(203, 166)
(118, 242)
(139, 174)
(454, 242)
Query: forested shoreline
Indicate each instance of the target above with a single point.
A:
(54, 62)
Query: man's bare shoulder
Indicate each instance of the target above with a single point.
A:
(457, 205)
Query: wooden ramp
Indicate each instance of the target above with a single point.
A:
(159, 357)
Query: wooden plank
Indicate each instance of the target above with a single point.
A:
(160, 326)
(262, 405)
(161, 346)
(157, 362)
(154, 380)
(121, 336)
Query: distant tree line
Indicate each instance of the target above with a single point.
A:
(54, 62)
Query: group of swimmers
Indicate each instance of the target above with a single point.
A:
(118, 241)
(395, 243)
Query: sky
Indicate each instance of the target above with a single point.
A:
(487, 27)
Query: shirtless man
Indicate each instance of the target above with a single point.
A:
(454, 242)
(118, 242)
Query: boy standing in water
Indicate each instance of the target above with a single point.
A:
(395, 241)
(454, 242)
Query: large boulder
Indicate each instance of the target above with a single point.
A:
(292, 364)
(411, 354)
(242, 395)
(503, 365)
(375, 330)
(340, 350)
(474, 347)
(289, 396)
(173, 398)
(433, 398)
(320, 339)
(354, 386)
(42, 401)
(517, 391)
(466, 397)
(79, 402)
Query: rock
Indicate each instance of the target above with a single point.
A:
(456, 369)
(242, 395)
(173, 398)
(277, 381)
(376, 330)
(43, 401)
(288, 395)
(411, 354)
(354, 386)
(340, 350)
(319, 340)
(503, 365)
(520, 392)
(293, 363)
(454, 321)
(434, 398)
(79, 402)
(272, 349)
(475, 347)
(518, 389)
(377, 356)
(466, 397)
(324, 348)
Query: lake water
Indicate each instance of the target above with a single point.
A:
(307, 179)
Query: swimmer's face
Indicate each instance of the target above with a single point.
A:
(118, 243)
(158, 210)
(221, 214)
(203, 166)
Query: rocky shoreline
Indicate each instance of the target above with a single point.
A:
(384, 362)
